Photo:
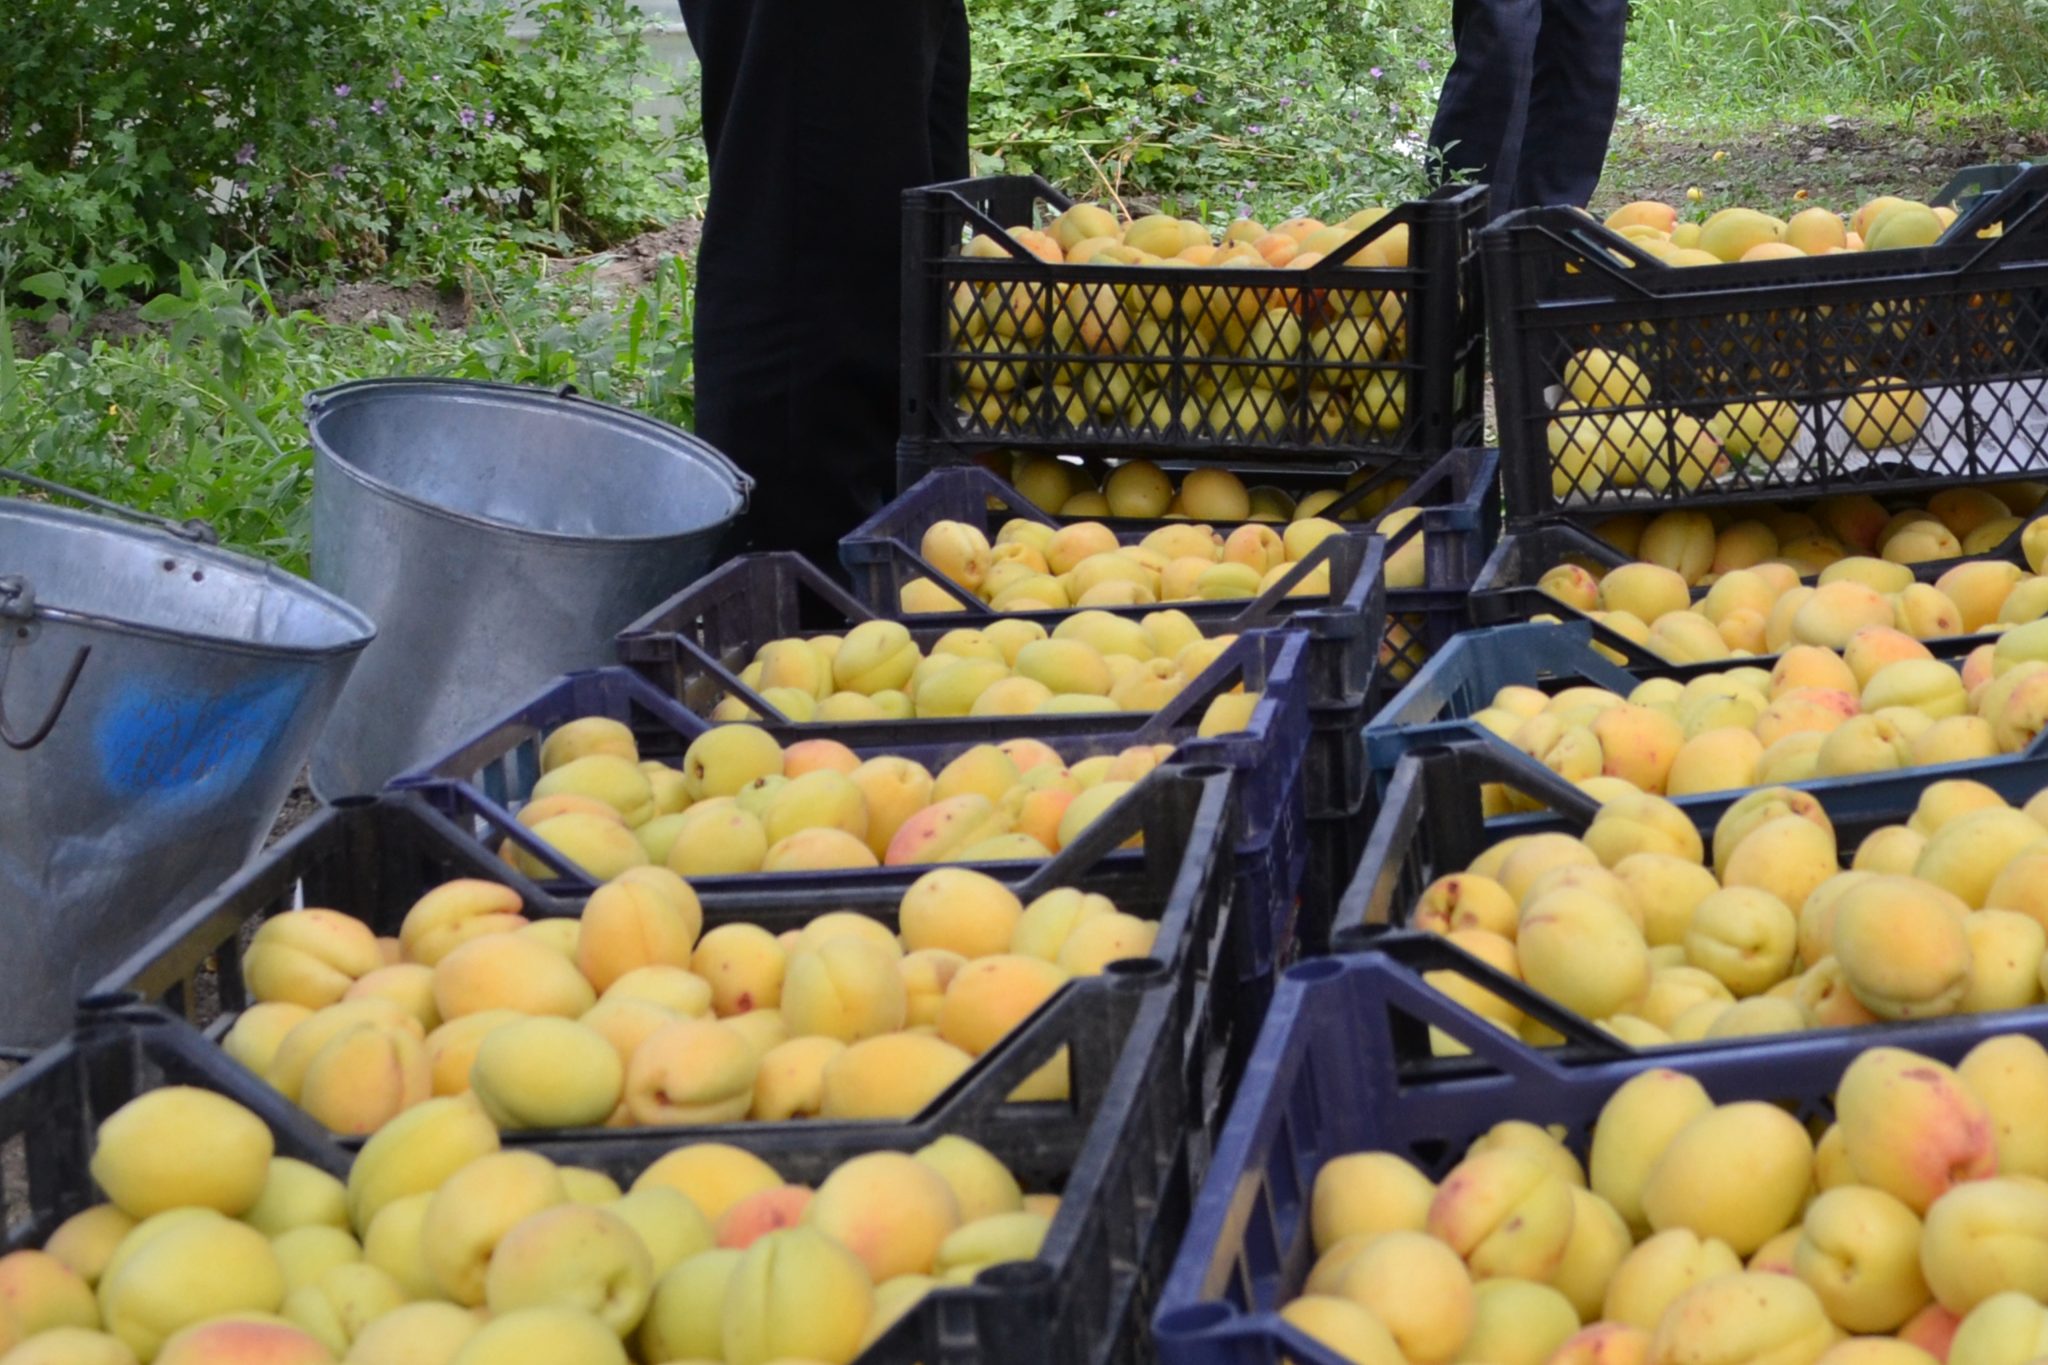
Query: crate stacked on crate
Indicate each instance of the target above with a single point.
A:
(1439, 526)
(487, 784)
(1814, 719)
(1774, 413)
(1063, 340)
(1108, 1166)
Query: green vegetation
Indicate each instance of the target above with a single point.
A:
(164, 153)
(200, 415)
(1274, 107)
(1745, 58)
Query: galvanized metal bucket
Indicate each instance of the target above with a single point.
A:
(158, 698)
(499, 537)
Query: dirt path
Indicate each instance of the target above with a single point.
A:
(625, 267)
(1838, 161)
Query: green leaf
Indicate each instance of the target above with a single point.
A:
(166, 308)
(49, 285)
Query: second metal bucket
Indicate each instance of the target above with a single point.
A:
(158, 698)
(499, 537)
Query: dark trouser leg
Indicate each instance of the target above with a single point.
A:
(1480, 114)
(949, 96)
(1572, 100)
(817, 119)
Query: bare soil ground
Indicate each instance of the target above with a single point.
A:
(626, 267)
(1837, 161)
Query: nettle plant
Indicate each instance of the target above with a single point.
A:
(332, 134)
(1226, 107)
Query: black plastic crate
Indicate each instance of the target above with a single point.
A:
(1322, 1085)
(371, 858)
(1335, 844)
(1015, 351)
(1460, 517)
(1119, 1155)
(883, 556)
(695, 646)
(1917, 368)
(1429, 826)
(499, 766)
(52, 1106)
(1436, 708)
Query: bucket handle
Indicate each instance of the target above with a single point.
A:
(195, 530)
(18, 604)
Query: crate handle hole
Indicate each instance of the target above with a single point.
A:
(1138, 971)
(353, 802)
(1017, 1275)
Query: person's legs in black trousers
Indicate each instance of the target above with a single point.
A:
(817, 119)
(1572, 101)
(1483, 107)
(949, 97)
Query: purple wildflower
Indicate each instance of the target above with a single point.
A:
(1287, 101)
(1254, 129)
(1375, 73)
(467, 117)
(1200, 98)
(1422, 63)
(490, 118)
(338, 171)
(398, 80)
(1173, 61)
(341, 91)
(245, 155)
(378, 107)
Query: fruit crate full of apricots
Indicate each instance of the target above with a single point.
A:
(287, 963)
(1816, 718)
(1438, 524)
(1650, 361)
(1033, 321)
(962, 548)
(1957, 563)
(1773, 1200)
(1891, 906)
(158, 1211)
(723, 643)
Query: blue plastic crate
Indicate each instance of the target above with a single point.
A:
(1322, 1084)
(478, 784)
(1435, 708)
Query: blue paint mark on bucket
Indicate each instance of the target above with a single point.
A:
(154, 739)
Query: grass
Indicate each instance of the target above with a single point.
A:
(1780, 57)
(1784, 104)
(198, 415)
